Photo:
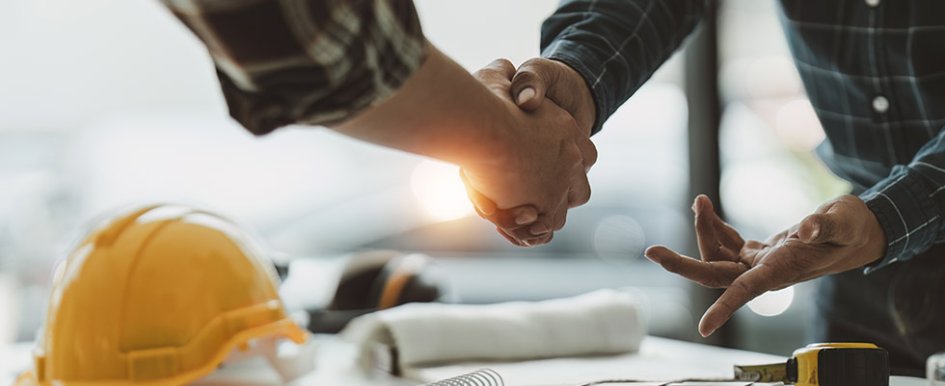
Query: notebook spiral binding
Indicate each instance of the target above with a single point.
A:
(484, 377)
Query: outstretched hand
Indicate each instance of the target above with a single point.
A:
(535, 81)
(843, 234)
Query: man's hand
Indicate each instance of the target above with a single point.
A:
(546, 163)
(538, 79)
(841, 235)
(535, 81)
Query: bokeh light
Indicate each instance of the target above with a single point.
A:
(798, 127)
(619, 239)
(439, 191)
(772, 303)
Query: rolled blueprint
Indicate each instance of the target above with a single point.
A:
(597, 323)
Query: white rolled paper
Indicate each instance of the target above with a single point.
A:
(600, 322)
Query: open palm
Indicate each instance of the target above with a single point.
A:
(836, 238)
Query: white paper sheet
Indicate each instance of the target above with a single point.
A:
(658, 360)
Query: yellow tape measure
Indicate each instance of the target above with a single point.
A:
(825, 364)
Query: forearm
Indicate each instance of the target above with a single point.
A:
(910, 204)
(616, 45)
(441, 111)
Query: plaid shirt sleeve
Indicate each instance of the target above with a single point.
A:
(313, 62)
(910, 203)
(616, 45)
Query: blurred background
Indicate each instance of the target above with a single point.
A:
(109, 103)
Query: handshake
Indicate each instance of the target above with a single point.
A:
(539, 170)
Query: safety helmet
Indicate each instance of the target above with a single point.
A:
(159, 296)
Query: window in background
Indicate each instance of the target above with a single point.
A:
(770, 177)
(107, 103)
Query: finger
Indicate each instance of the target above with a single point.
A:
(712, 274)
(525, 232)
(541, 240)
(561, 217)
(716, 239)
(526, 238)
(499, 69)
(746, 287)
(580, 191)
(503, 218)
(484, 206)
(516, 218)
(509, 237)
(543, 226)
(727, 234)
(710, 247)
(531, 82)
(588, 152)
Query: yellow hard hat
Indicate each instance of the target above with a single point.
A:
(159, 296)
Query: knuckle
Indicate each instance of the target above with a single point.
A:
(521, 234)
(524, 76)
(501, 63)
(559, 223)
(590, 153)
(536, 64)
(749, 292)
(582, 197)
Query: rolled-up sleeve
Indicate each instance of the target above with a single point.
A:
(616, 45)
(313, 62)
(909, 204)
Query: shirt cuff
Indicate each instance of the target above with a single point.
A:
(906, 212)
(579, 57)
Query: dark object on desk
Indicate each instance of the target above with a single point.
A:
(825, 364)
(373, 281)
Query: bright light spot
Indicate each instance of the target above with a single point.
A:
(439, 191)
(619, 239)
(772, 303)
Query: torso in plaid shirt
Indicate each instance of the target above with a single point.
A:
(875, 73)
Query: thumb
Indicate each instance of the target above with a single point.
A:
(531, 82)
(821, 229)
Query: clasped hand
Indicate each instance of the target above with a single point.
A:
(542, 171)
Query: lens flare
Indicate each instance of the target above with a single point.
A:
(439, 191)
(773, 303)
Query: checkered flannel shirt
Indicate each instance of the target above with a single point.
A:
(314, 62)
(874, 71)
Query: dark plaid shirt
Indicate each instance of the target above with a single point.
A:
(874, 71)
(305, 61)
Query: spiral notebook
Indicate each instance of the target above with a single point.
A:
(489, 377)
(659, 360)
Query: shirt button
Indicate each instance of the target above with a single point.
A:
(880, 104)
(872, 3)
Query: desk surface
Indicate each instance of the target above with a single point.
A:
(658, 359)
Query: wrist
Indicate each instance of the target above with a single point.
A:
(441, 112)
(578, 100)
(584, 108)
(875, 243)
